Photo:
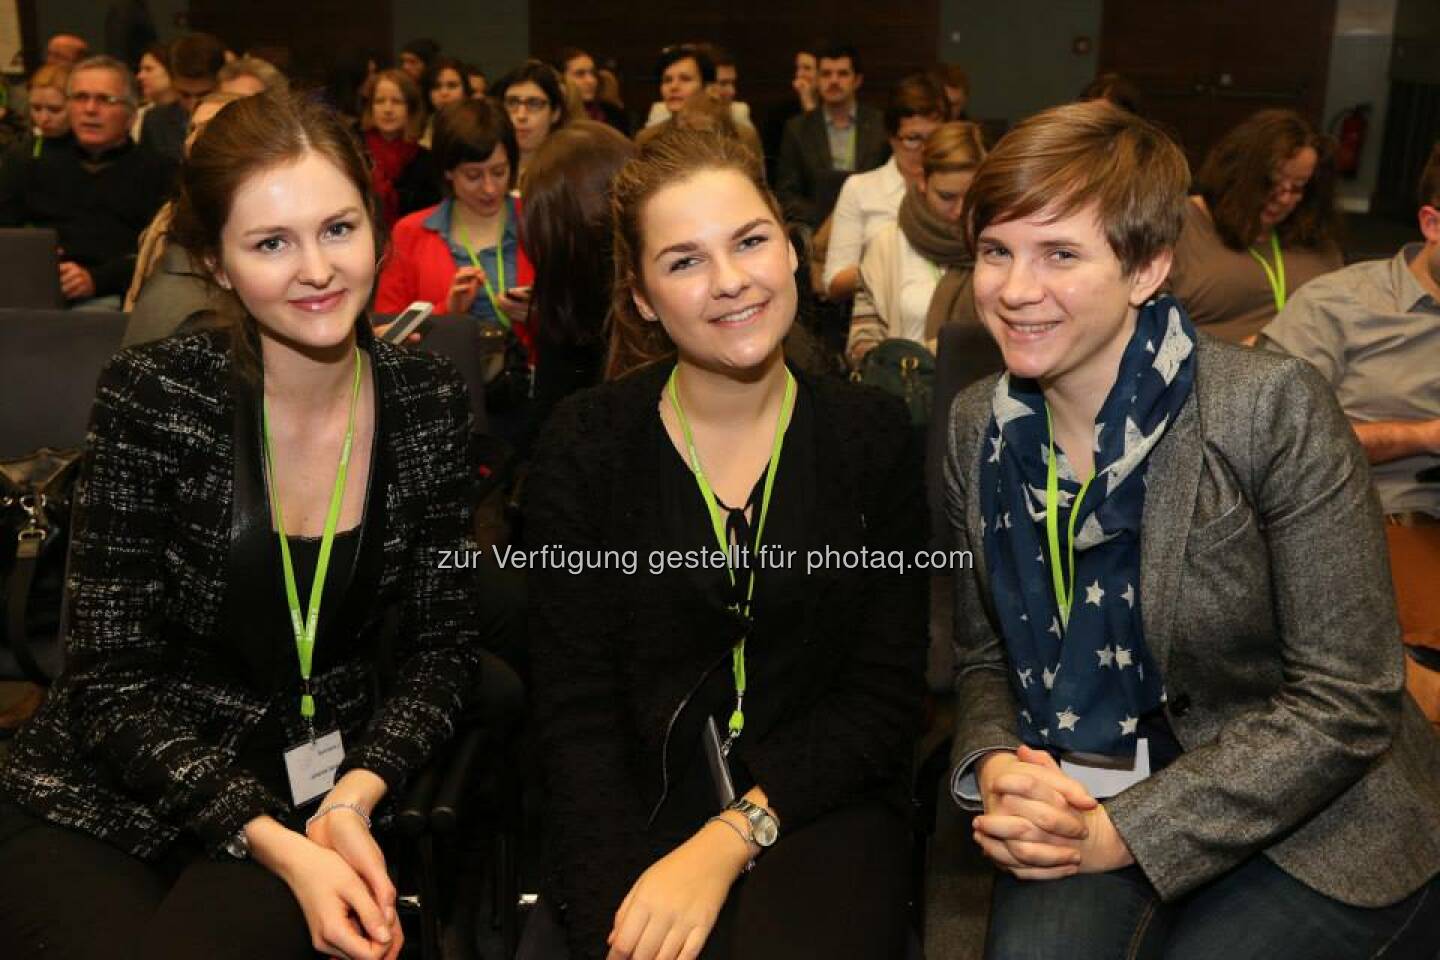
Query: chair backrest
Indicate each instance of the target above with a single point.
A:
(30, 268)
(456, 337)
(965, 353)
(49, 363)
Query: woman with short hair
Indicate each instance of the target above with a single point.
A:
(534, 99)
(1262, 223)
(444, 83)
(1179, 674)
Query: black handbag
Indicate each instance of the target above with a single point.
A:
(36, 491)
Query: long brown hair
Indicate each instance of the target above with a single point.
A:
(416, 109)
(676, 155)
(1239, 173)
(568, 230)
(249, 136)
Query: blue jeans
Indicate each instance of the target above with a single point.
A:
(1255, 912)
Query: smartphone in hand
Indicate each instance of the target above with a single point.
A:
(413, 319)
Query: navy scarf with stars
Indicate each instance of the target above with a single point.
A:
(1083, 686)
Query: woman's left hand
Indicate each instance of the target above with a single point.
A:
(671, 909)
(343, 831)
(515, 303)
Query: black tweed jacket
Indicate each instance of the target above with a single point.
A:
(617, 656)
(137, 741)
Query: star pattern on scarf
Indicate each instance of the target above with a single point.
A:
(1127, 726)
(1067, 718)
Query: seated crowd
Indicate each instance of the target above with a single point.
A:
(1191, 476)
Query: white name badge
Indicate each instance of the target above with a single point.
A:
(311, 766)
(1107, 779)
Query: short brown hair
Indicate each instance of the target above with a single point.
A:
(917, 95)
(196, 55)
(409, 92)
(953, 147)
(469, 131)
(1429, 192)
(674, 156)
(1239, 171)
(1067, 157)
(249, 136)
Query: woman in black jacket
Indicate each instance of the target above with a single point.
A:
(801, 665)
(254, 505)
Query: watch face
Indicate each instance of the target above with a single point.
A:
(764, 831)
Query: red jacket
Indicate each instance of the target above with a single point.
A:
(419, 265)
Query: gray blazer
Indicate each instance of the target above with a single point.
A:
(1269, 609)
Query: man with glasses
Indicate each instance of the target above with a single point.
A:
(195, 63)
(822, 147)
(871, 201)
(96, 187)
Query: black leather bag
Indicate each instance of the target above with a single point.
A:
(36, 491)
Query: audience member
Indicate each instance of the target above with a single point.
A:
(703, 112)
(1373, 331)
(469, 243)
(683, 71)
(443, 84)
(49, 112)
(405, 176)
(475, 80)
(1236, 756)
(825, 702)
(95, 186)
(195, 62)
(153, 78)
(955, 82)
(822, 147)
(535, 102)
(416, 55)
(168, 290)
(568, 228)
(147, 809)
(1262, 225)
(727, 78)
(251, 75)
(66, 50)
(917, 273)
(578, 69)
(805, 98)
(870, 201)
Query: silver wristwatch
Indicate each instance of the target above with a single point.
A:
(764, 828)
(237, 846)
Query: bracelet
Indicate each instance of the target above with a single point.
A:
(353, 807)
(750, 865)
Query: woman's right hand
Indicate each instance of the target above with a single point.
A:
(343, 917)
(464, 288)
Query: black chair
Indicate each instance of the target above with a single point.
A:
(30, 268)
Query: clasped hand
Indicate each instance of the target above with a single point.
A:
(1042, 824)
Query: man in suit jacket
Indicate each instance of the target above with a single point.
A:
(822, 147)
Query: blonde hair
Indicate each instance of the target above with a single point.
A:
(952, 148)
(1068, 157)
(673, 156)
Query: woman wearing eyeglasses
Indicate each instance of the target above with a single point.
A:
(871, 201)
(535, 103)
(1262, 223)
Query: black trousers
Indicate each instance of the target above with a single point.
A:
(836, 888)
(65, 895)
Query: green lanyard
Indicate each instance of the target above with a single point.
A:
(1063, 577)
(499, 267)
(305, 625)
(1275, 274)
(39, 145)
(717, 520)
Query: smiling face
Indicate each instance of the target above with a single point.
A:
(679, 82)
(299, 252)
(153, 78)
(388, 110)
(97, 124)
(718, 271)
(580, 74)
(482, 186)
(531, 114)
(1054, 297)
(944, 192)
(449, 88)
(1288, 186)
(48, 113)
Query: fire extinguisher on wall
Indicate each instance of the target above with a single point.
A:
(1349, 128)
